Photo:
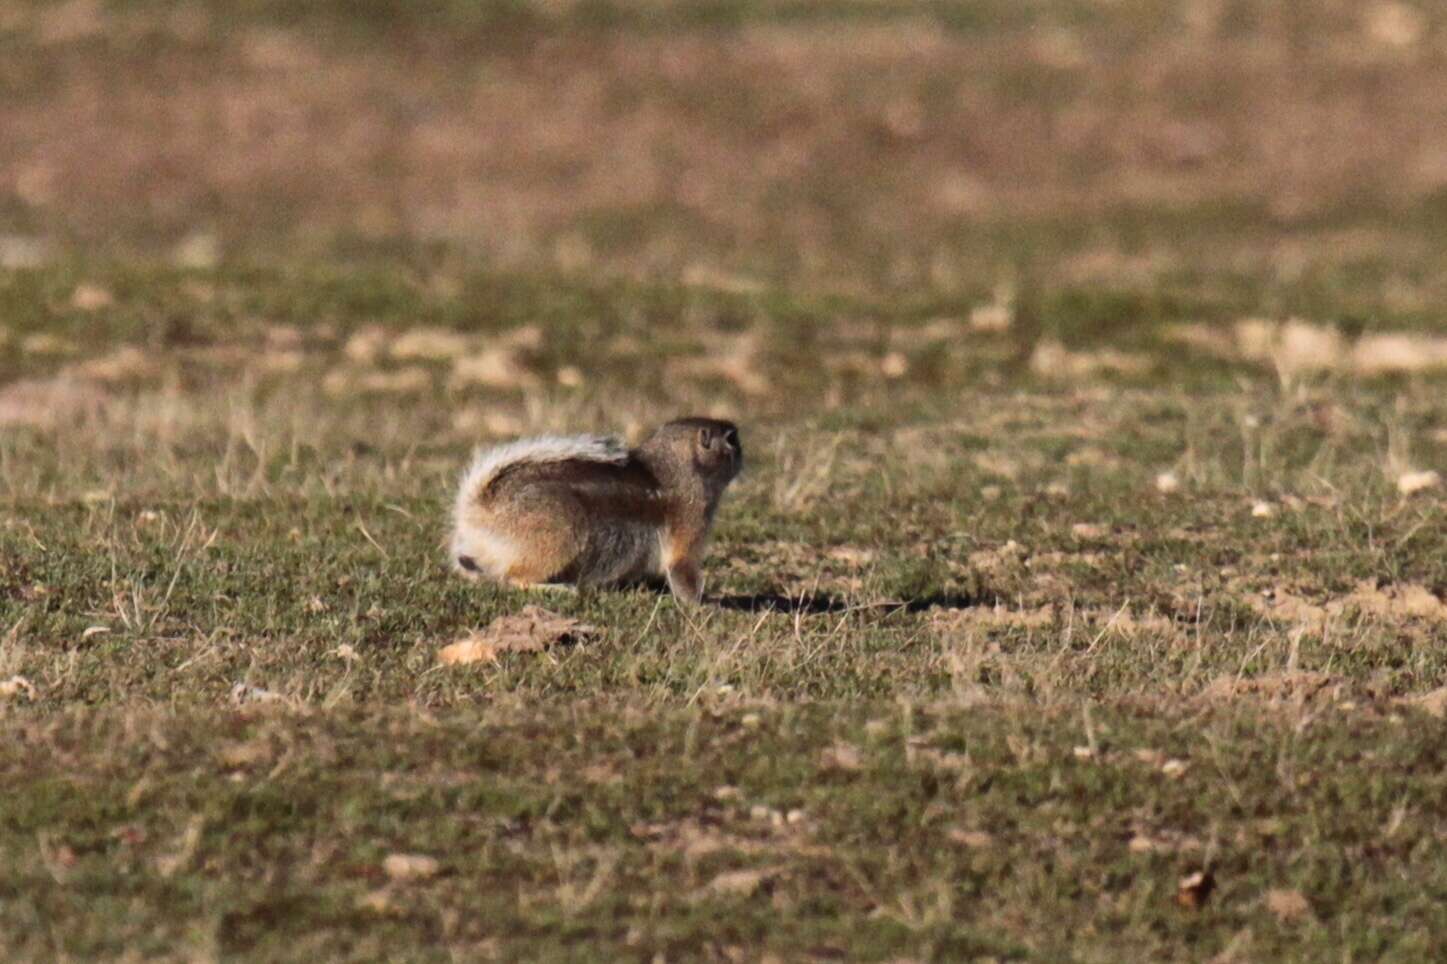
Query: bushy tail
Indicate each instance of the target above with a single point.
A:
(489, 463)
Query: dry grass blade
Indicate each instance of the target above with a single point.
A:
(738, 883)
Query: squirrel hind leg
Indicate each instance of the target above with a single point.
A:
(518, 538)
(545, 548)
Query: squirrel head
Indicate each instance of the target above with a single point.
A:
(709, 446)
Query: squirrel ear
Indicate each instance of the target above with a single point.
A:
(705, 438)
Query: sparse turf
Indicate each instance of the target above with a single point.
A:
(1088, 538)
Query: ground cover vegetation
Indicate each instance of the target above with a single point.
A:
(1084, 596)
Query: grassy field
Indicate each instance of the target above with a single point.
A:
(1084, 597)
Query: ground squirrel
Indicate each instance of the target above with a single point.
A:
(587, 511)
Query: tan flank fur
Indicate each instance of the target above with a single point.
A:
(587, 511)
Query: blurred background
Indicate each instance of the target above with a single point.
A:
(1240, 154)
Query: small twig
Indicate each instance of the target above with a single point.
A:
(363, 530)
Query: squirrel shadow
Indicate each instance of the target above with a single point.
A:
(817, 604)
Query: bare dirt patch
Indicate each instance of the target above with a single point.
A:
(1389, 603)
